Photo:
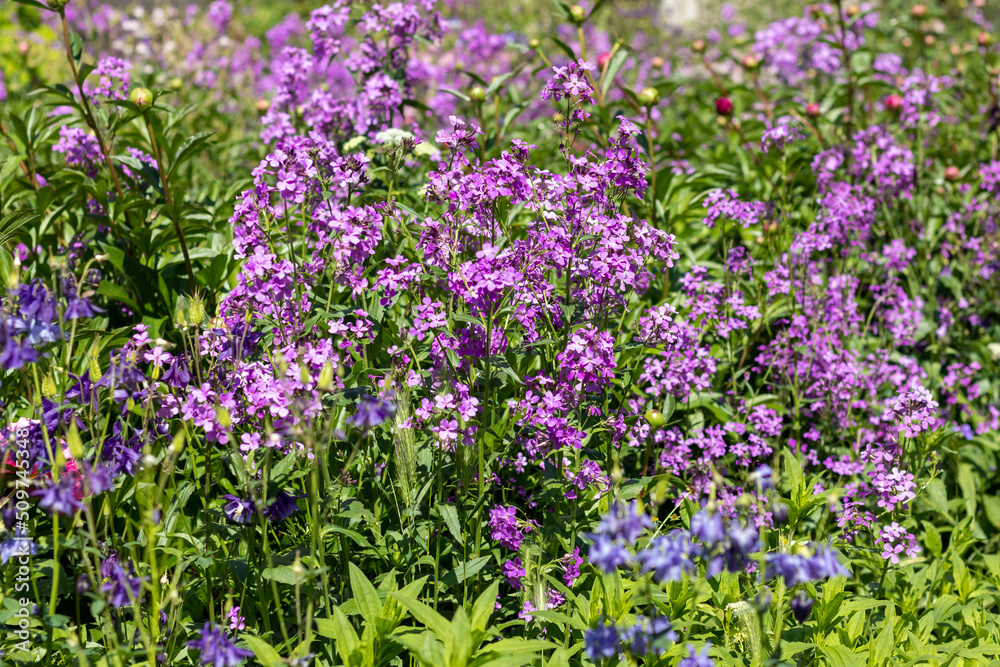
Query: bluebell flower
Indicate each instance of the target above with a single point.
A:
(215, 648)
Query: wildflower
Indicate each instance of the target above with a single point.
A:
(215, 648)
(697, 659)
(238, 510)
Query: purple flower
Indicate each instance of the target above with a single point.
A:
(648, 635)
(284, 506)
(708, 528)
(669, 557)
(215, 648)
(608, 554)
(371, 412)
(17, 544)
(624, 522)
(504, 527)
(121, 587)
(59, 497)
(697, 659)
(801, 605)
(238, 510)
(601, 642)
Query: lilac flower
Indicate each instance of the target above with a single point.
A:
(726, 204)
(215, 648)
(238, 510)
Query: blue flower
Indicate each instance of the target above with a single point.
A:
(58, 497)
(284, 506)
(648, 635)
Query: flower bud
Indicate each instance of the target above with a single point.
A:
(177, 446)
(197, 311)
(984, 39)
(724, 106)
(58, 4)
(654, 418)
(779, 513)
(952, 173)
(325, 381)
(698, 46)
(812, 110)
(176, 83)
(649, 97)
(750, 62)
(657, 62)
(603, 60)
(852, 11)
(801, 605)
(263, 105)
(577, 14)
(918, 11)
(534, 43)
(930, 40)
(94, 366)
(23, 47)
(74, 442)
(894, 103)
(477, 94)
(141, 97)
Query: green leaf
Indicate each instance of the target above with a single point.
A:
(796, 479)
(482, 609)
(839, 656)
(434, 621)
(345, 636)
(450, 516)
(191, 147)
(932, 538)
(992, 506)
(365, 595)
(883, 644)
(614, 65)
(266, 655)
(464, 571)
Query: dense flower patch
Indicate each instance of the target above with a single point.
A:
(387, 338)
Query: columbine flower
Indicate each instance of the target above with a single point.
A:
(215, 648)
(696, 659)
(284, 506)
(16, 544)
(601, 642)
(238, 510)
(371, 412)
